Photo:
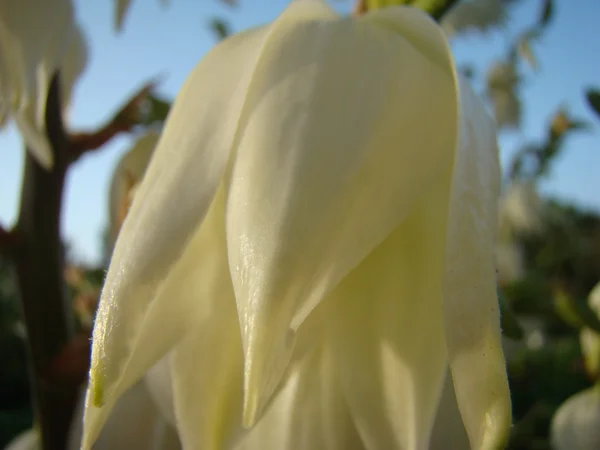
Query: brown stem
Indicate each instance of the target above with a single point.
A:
(58, 358)
(39, 266)
(9, 242)
(124, 120)
(360, 7)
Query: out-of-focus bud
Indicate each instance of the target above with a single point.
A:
(126, 176)
(575, 423)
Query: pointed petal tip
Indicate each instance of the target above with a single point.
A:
(96, 388)
(250, 410)
(497, 427)
(266, 363)
(36, 141)
(256, 395)
(86, 444)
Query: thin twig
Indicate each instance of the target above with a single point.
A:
(127, 117)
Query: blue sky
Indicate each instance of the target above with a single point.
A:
(171, 40)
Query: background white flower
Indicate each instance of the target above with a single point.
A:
(37, 38)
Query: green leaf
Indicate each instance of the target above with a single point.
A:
(587, 315)
(547, 13)
(593, 99)
(576, 311)
(468, 71)
(562, 123)
(436, 8)
(525, 52)
(220, 28)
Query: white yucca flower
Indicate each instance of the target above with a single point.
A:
(312, 246)
(510, 262)
(479, 15)
(522, 211)
(126, 177)
(72, 66)
(37, 38)
(575, 423)
(501, 88)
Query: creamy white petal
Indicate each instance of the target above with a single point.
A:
(27, 440)
(206, 368)
(207, 373)
(136, 424)
(471, 312)
(34, 37)
(589, 339)
(389, 337)
(309, 412)
(575, 423)
(128, 173)
(34, 136)
(145, 288)
(72, 66)
(448, 429)
(188, 298)
(159, 383)
(594, 299)
(340, 140)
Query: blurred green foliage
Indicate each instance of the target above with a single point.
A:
(562, 265)
(16, 413)
(15, 408)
